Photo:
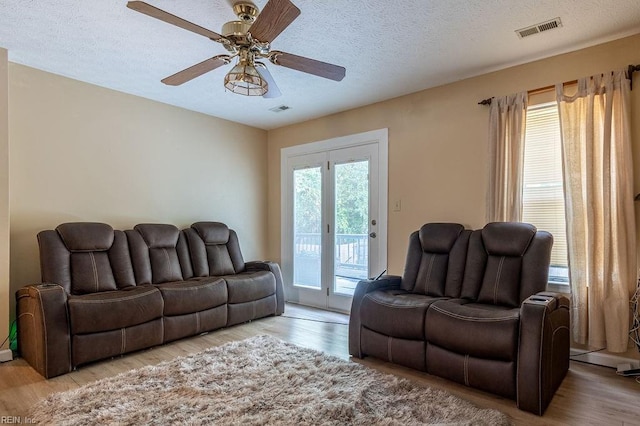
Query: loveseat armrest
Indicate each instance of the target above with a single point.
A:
(43, 328)
(274, 268)
(543, 353)
(364, 287)
(385, 281)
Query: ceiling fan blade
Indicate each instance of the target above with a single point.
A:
(274, 18)
(311, 66)
(273, 91)
(154, 12)
(197, 70)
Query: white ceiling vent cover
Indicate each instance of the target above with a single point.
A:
(538, 28)
(280, 108)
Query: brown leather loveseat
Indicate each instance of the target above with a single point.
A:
(471, 306)
(107, 292)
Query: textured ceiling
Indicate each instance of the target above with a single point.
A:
(389, 48)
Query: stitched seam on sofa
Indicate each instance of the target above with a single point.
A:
(44, 327)
(497, 283)
(544, 316)
(370, 285)
(166, 255)
(76, 251)
(95, 270)
(123, 335)
(249, 301)
(33, 320)
(396, 306)
(253, 310)
(67, 317)
(466, 370)
(197, 322)
(473, 319)
(389, 349)
(187, 288)
(119, 299)
(526, 246)
(518, 366)
(429, 269)
(553, 336)
(366, 288)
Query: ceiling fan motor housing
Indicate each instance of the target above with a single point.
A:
(236, 31)
(246, 12)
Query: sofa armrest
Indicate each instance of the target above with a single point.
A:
(43, 328)
(274, 268)
(543, 354)
(364, 287)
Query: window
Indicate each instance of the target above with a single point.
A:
(543, 193)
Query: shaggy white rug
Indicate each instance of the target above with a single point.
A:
(259, 381)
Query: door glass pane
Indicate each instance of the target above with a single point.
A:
(307, 213)
(351, 254)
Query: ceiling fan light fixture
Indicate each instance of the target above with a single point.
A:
(244, 78)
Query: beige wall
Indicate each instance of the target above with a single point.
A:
(84, 153)
(438, 141)
(81, 152)
(4, 195)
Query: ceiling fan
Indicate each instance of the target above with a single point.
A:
(249, 38)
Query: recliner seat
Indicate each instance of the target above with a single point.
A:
(254, 289)
(161, 258)
(89, 283)
(392, 319)
(471, 307)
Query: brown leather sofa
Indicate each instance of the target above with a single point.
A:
(471, 306)
(107, 292)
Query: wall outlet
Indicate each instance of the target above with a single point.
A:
(6, 355)
(397, 206)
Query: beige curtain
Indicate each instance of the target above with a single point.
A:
(598, 170)
(507, 119)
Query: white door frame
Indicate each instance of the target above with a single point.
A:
(379, 137)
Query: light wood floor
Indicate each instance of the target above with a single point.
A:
(589, 395)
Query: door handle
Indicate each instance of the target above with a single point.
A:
(373, 235)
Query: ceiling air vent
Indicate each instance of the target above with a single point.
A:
(538, 28)
(280, 108)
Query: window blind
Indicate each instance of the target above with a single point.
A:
(543, 192)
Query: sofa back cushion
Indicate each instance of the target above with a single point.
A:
(214, 249)
(507, 262)
(436, 260)
(85, 258)
(159, 253)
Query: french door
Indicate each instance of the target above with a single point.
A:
(335, 233)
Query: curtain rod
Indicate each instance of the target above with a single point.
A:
(630, 70)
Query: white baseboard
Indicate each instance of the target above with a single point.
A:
(607, 359)
(6, 355)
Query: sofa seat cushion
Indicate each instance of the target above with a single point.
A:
(396, 313)
(491, 375)
(250, 286)
(474, 329)
(113, 310)
(187, 297)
